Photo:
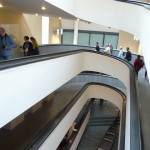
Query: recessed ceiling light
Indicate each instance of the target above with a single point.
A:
(43, 8)
(78, 19)
(36, 14)
(1, 5)
(60, 18)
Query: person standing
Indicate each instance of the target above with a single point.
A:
(97, 47)
(27, 47)
(111, 48)
(128, 54)
(6, 45)
(107, 49)
(35, 46)
(145, 74)
(138, 64)
(120, 54)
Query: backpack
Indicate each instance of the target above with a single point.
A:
(129, 58)
(140, 63)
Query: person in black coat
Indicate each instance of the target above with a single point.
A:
(27, 47)
(128, 54)
(97, 47)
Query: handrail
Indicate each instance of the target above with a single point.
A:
(48, 129)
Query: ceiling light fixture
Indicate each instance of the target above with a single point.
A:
(43, 8)
(1, 5)
(60, 18)
(78, 19)
(36, 14)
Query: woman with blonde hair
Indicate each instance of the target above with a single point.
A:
(35, 46)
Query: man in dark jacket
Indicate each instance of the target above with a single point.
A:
(97, 47)
(128, 54)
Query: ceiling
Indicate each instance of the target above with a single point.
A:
(34, 6)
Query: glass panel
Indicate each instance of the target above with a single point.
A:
(96, 38)
(83, 39)
(111, 39)
(67, 38)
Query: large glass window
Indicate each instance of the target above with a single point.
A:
(67, 38)
(83, 39)
(96, 38)
(89, 38)
(111, 39)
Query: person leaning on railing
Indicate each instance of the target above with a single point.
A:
(35, 46)
(27, 46)
(6, 45)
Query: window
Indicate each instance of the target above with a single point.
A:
(67, 38)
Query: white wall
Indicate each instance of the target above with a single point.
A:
(83, 25)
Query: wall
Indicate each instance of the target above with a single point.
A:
(19, 25)
(55, 23)
(15, 24)
(10, 21)
(35, 25)
(126, 40)
(84, 25)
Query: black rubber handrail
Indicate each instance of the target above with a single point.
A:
(48, 129)
(140, 3)
(6, 64)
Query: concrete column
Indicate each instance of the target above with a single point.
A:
(76, 26)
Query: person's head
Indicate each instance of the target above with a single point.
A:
(127, 48)
(138, 56)
(97, 43)
(107, 44)
(2, 31)
(26, 38)
(121, 47)
(32, 39)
